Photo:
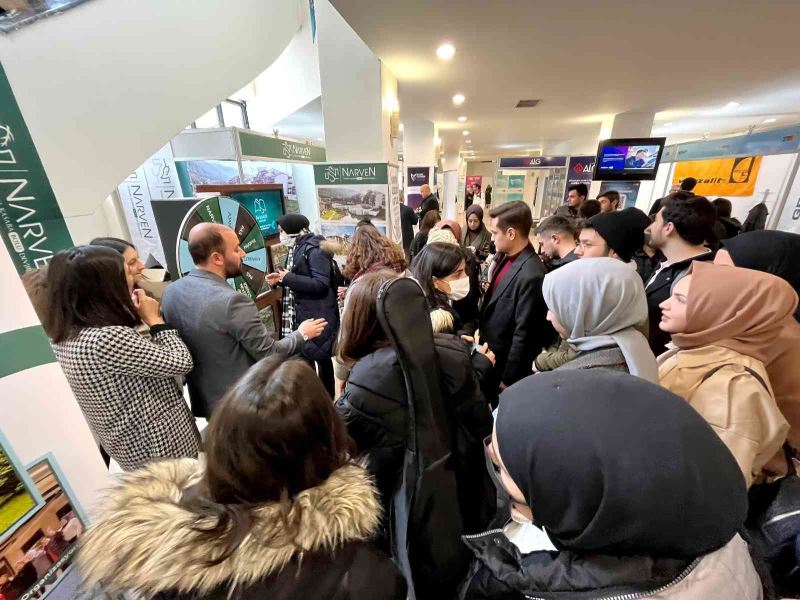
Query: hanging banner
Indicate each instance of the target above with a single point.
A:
(258, 146)
(580, 170)
(394, 227)
(156, 179)
(628, 191)
(720, 176)
(31, 221)
(416, 177)
(532, 162)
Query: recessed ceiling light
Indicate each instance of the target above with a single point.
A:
(462, 119)
(446, 51)
(732, 104)
(458, 99)
(402, 127)
(770, 120)
(465, 132)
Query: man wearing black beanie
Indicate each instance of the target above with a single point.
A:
(616, 234)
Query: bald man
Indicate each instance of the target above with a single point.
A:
(219, 325)
(429, 201)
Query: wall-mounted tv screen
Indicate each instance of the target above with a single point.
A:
(628, 159)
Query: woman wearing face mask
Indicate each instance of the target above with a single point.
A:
(775, 252)
(476, 235)
(440, 270)
(308, 291)
(599, 306)
(636, 497)
(735, 341)
(134, 266)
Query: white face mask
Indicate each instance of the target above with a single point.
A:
(459, 289)
(287, 240)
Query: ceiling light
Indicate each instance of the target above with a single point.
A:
(458, 99)
(401, 127)
(732, 104)
(465, 132)
(770, 120)
(468, 141)
(437, 141)
(446, 51)
(462, 119)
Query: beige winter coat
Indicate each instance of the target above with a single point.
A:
(741, 409)
(727, 574)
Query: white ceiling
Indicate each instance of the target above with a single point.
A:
(586, 60)
(305, 123)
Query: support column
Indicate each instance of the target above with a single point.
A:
(450, 164)
(419, 157)
(629, 125)
(359, 93)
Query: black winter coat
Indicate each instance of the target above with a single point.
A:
(315, 298)
(467, 308)
(375, 410)
(513, 318)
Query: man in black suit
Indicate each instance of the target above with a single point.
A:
(679, 231)
(429, 201)
(408, 218)
(514, 315)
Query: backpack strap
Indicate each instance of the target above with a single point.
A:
(748, 369)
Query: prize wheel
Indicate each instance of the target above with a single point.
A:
(227, 211)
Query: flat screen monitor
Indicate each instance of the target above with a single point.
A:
(628, 159)
(264, 201)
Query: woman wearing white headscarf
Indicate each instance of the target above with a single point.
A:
(596, 305)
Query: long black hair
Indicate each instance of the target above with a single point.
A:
(86, 287)
(439, 260)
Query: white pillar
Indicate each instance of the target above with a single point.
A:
(359, 94)
(450, 163)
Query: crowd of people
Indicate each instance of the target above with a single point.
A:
(462, 415)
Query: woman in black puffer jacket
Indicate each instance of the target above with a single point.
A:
(309, 292)
(375, 408)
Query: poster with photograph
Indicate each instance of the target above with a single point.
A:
(267, 316)
(352, 203)
(416, 177)
(628, 191)
(256, 171)
(343, 235)
(19, 497)
(35, 559)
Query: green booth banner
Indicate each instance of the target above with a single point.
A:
(260, 146)
(31, 222)
(351, 173)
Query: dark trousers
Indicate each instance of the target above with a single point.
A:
(325, 372)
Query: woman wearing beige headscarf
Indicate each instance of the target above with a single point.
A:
(735, 342)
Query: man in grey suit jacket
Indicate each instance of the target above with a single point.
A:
(219, 325)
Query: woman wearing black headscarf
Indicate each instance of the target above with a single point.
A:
(775, 252)
(637, 496)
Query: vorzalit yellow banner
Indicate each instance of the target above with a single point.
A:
(721, 176)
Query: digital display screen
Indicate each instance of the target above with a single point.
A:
(628, 159)
(265, 205)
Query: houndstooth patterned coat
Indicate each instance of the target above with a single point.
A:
(127, 390)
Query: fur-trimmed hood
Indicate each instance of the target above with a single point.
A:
(148, 542)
